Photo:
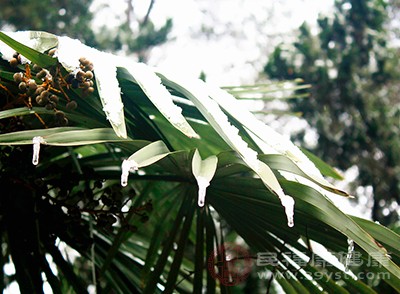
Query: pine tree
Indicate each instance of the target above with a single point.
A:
(55, 17)
(354, 102)
(75, 20)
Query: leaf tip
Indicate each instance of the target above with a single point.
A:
(127, 166)
(36, 148)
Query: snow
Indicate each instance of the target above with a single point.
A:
(36, 141)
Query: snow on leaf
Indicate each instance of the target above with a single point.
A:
(160, 96)
(197, 91)
(143, 157)
(203, 171)
(269, 136)
(271, 181)
(198, 94)
(215, 116)
(36, 40)
(105, 67)
(271, 141)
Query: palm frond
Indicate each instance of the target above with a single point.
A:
(175, 137)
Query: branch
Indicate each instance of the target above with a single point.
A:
(146, 17)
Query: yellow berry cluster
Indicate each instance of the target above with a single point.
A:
(45, 87)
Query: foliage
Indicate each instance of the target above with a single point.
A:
(354, 102)
(55, 17)
(123, 154)
(75, 20)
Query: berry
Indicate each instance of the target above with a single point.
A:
(45, 96)
(52, 51)
(22, 87)
(107, 200)
(88, 67)
(89, 75)
(36, 67)
(85, 85)
(84, 61)
(80, 75)
(49, 106)
(18, 76)
(59, 114)
(54, 98)
(42, 74)
(72, 105)
(32, 85)
(39, 90)
(14, 61)
(111, 219)
(64, 121)
(39, 100)
(97, 184)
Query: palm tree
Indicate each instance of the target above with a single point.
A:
(125, 178)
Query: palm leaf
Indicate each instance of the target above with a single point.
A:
(159, 239)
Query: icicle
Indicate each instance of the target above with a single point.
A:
(127, 166)
(203, 171)
(36, 148)
(288, 204)
(349, 255)
(203, 183)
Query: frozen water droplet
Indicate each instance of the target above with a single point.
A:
(124, 181)
(203, 183)
(127, 166)
(36, 148)
(202, 196)
(288, 204)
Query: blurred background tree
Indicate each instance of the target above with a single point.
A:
(57, 17)
(352, 64)
(133, 34)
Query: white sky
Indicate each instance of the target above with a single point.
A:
(244, 33)
(239, 56)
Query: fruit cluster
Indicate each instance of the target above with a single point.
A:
(16, 59)
(106, 206)
(47, 86)
(41, 93)
(83, 77)
(41, 89)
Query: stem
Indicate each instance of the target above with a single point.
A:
(146, 17)
(92, 254)
(92, 249)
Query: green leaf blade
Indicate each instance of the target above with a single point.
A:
(31, 54)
